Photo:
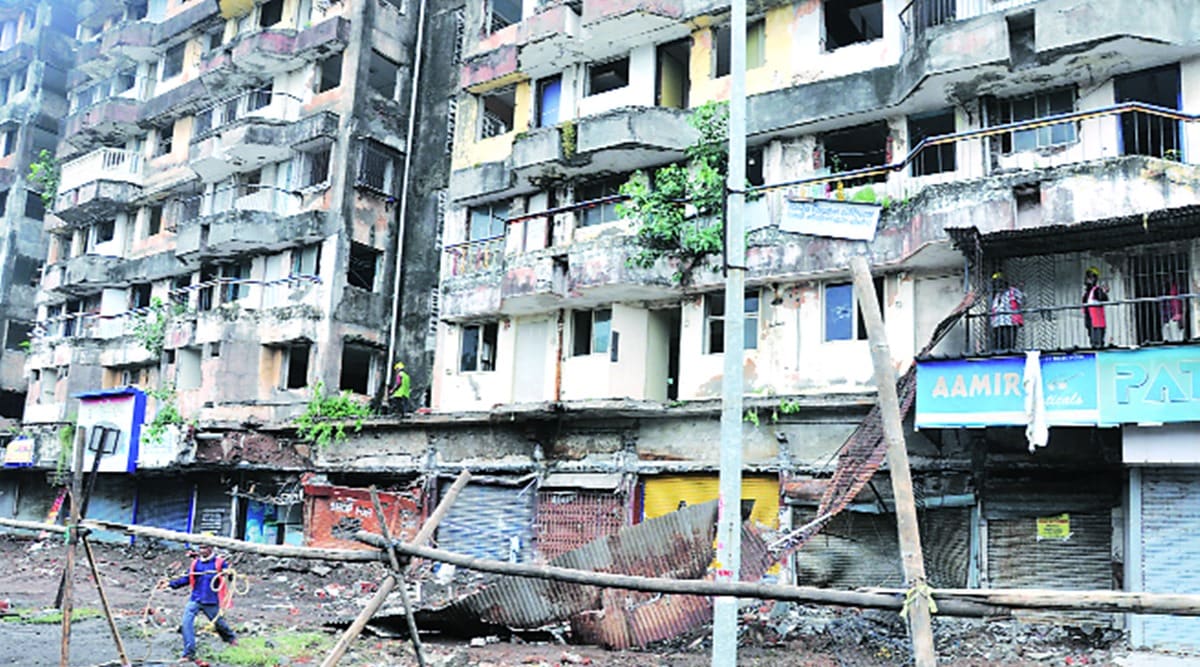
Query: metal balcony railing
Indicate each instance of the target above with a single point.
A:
(262, 103)
(113, 164)
(1133, 322)
(920, 15)
(475, 256)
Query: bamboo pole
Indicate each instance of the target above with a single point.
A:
(112, 622)
(277, 550)
(918, 597)
(1174, 604)
(355, 628)
(442, 509)
(72, 538)
(395, 563)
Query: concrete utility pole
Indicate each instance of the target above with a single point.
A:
(918, 597)
(729, 516)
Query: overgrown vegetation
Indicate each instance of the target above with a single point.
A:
(44, 174)
(166, 414)
(51, 616)
(680, 216)
(568, 138)
(280, 648)
(66, 446)
(149, 325)
(326, 417)
(787, 406)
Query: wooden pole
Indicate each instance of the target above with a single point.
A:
(918, 597)
(72, 537)
(1174, 604)
(277, 550)
(112, 622)
(386, 543)
(395, 563)
(355, 628)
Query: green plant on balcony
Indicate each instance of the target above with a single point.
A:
(326, 417)
(680, 217)
(66, 446)
(149, 325)
(44, 173)
(167, 415)
(568, 138)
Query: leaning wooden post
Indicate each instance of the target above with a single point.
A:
(919, 597)
(72, 537)
(395, 563)
(431, 524)
(112, 622)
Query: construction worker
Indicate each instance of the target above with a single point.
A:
(402, 388)
(1006, 318)
(1093, 315)
(209, 595)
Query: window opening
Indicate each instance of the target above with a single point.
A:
(382, 75)
(714, 319)
(487, 221)
(549, 94)
(497, 112)
(611, 75)
(478, 348)
(363, 264)
(330, 73)
(933, 159)
(591, 331)
(852, 22)
(857, 148)
(843, 317)
(755, 47)
(599, 214)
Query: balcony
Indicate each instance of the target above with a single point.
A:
(242, 133)
(98, 182)
(545, 37)
(490, 69)
(110, 121)
(615, 20)
(88, 273)
(262, 221)
(133, 40)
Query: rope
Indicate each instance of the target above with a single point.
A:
(919, 589)
(235, 584)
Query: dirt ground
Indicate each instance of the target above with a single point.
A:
(287, 597)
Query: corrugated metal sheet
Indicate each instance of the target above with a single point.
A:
(112, 500)
(489, 521)
(334, 513)
(165, 503)
(1170, 543)
(568, 520)
(665, 494)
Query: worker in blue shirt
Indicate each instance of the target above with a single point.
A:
(209, 595)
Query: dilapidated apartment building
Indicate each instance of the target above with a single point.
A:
(1029, 139)
(35, 55)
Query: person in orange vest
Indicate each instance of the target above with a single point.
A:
(209, 595)
(1093, 315)
(1006, 318)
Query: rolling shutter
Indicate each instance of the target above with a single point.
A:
(112, 500)
(489, 521)
(165, 503)
(1170, 546)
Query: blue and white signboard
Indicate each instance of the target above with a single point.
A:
(1159, 385)
(111, 421)
(991, 392)
(854, 221)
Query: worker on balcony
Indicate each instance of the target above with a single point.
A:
(1006, 319)
(1093, 315)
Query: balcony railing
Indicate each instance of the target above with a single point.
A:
(113, 164)
(1131, 322)
(258, 103)
(920, 15)
(475, 256)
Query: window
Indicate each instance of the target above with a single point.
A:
(932, 159)
(306, 261)
(124, 82)
(599, 214)
(496, 112)
(214, 37)
(164, 137)
(34, 206)
(478, 350)
(17, 333)
(756, 49)
(270, 13)
(49, 385)
(294, 366)
(549, 94)
(187, 368)
(843, 318)
(382, 75)
(611, 75)
(358, 368)
(1033, 107)
(139, 295)
(154, 216)
(103, 232)
(172, 62)
(329, 73)
(754, 166)
(714, 322)
(363, 264)
(487, 221)
(314, 167)
(377, 167)
(204, 298)
(852, 21)
(235, 287)
(591, 331)
(10, 141)
(181, 291)
(856, 148)
(214, 349)
(502, 13)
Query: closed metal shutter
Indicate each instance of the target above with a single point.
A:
(36, 497)
(8, 496)
(165, 503)
(490, 521)
(1170, 545)
(112, 500)
(663, 495)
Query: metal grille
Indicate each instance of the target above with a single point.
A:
(568, 520)
(451, 120)
(460, 29)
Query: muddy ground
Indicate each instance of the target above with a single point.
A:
(289, 597)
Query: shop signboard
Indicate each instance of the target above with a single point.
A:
(1150, 386)
(111, 422)
(19, 453)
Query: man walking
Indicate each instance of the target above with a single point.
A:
(209, 595)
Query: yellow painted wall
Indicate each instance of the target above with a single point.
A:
(469, 152)
(663, 495)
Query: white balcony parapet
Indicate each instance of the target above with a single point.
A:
(109, 164)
